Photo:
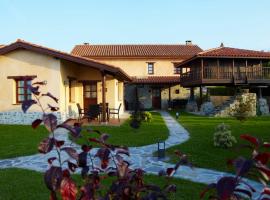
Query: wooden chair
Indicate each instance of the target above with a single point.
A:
(93, 112)
(80, 112)
(115, 111)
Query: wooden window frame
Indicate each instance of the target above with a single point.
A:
(150, 71)
(177, 70)
(25, 79)
(25, 89)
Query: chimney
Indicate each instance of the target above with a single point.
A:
(188, 42)
(86, 43)
(221, 45)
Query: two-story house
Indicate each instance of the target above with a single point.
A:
(155, 79)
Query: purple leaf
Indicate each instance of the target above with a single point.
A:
(71, 152)
(242, 166)
(27, 104)
(72, 166)
(53, 108)
(103, 154)
(84, 171)
(104, 137)
(53, 178)
(36, 123)
(50, 160)
(46, 145)
(50, 122)
(34, 90)
(74, 131)
(82, 161)
(226, 187)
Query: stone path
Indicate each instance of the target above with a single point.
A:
(141, 157)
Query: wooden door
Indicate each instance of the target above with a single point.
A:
(156, 98)
(89, 94)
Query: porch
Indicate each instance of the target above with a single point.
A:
(91, 87)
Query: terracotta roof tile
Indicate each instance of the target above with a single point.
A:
(153, 50)
(156, 79)
(21, 44)
(233, 52)
(227, 52)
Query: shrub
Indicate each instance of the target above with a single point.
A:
(147, 116)
(223, 137)
(111, 161)
(256, 165)
(244, 108)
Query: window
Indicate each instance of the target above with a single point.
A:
(177, 91)
(150, 68)
(177, 70)
(22, 91)
(90, 90)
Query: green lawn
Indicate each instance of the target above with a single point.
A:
(200, 147)
(148, 133)
(19, 140)
(19, 184)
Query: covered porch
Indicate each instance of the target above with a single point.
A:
(86, 86)
(154, 92)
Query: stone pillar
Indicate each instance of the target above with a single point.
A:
(192, 104)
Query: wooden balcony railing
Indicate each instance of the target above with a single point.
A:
(262, 73)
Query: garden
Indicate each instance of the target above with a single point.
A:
(93, 162)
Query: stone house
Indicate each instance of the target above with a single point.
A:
(72, 79)
(155, 79)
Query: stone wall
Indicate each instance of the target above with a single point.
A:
(18, 117)
(230, 110)
(219, 100)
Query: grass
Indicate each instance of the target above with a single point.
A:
(148, 133)
(29, 185)
(19, 140)
(200, 148)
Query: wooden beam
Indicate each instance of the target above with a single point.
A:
(233, 68)
(246, 68)
(27, 77)
(202, 68)
(103, 96)
(217, 68)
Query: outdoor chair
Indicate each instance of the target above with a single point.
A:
(115, 111)
(93, 112)
(107, 110)
(80, 112)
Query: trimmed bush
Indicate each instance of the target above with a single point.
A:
(223, 137)
(147, 116)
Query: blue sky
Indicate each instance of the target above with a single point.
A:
(61, 24)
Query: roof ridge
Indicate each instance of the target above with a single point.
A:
(209, 50)
(144, 44)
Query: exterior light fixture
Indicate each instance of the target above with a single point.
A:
(161, 151)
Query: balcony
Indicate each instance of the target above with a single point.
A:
(225, 76)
